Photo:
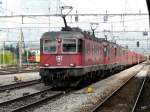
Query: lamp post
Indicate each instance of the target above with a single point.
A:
(49, 11)
(21, 39)
(0, 56)
(3, 54)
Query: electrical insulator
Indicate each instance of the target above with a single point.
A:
(76, 18)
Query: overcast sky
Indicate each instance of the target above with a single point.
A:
(15, 7)
(82, 6)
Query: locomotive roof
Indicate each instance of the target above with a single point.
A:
(74, 34)
(66, 34)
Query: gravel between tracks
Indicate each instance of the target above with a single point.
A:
(124, 99)
(19, 92)
(9, 79)
(143, 104)
(26, 101)
(82, 101)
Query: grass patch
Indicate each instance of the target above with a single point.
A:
(7, 58)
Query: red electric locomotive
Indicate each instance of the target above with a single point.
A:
(71, 56)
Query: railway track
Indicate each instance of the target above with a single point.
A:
(27, 101)
(15, 72)
(18, 85)
(124, 98)
(138, 96)
(15, 69)
(142, 103)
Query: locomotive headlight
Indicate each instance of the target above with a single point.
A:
(72, 65)
(58, 59)
(46, 65)
(59, 40)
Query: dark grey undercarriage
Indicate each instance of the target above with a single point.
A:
(62, 77)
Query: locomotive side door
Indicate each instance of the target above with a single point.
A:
(81, 49)
(105, 54)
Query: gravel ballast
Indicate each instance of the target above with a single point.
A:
(124, 99)
(83, 101)
(13, 94)
(143, 104)
(9, 79)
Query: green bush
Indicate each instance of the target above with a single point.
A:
(9, 58)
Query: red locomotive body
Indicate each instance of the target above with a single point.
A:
(67, 57)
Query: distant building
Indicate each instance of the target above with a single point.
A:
(35, 56)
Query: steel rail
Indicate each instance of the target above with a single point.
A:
(13, 101)
(23, 97)
(3, 72)
(18, 85)
(138, 96)
(37, 102)
(100, 103)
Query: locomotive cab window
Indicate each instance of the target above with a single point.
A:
(69, 45)
(49, 46)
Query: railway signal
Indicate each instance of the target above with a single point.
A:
(145, 33)
(137, 44)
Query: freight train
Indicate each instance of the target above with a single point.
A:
(69, 56)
